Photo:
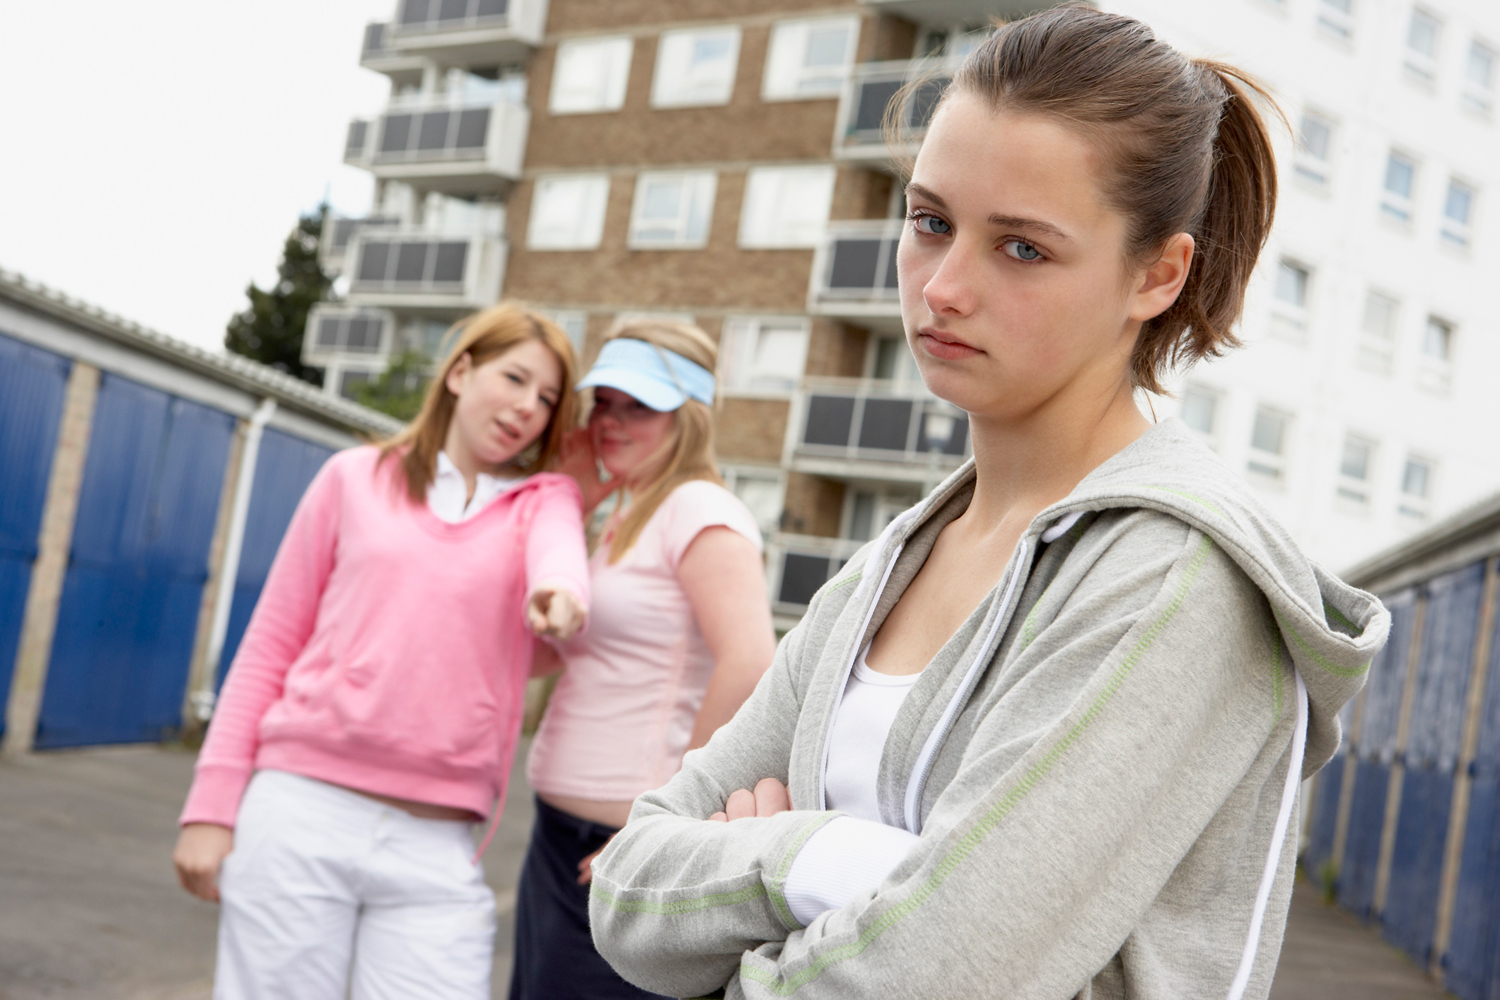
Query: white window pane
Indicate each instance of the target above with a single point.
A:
(786, 206)
(567, 213)
(1437, 339)
(1399, 174)
(590, 75)
(1291, 284)
(809, 58)
(1380, 317)
(1269, 432)
(1414, 478)
(672, 209)
(1481, 67)
(1422, 34)
(1315, 136)
(1355, 461)
(763, 495)
(1198, 408)
(1459, 203)
(695, 67)
(780, 354)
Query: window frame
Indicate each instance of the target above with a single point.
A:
(1337, 24)
(1289, 320)
(659, 73)
(614, 85)
(1351, 489)
(739, 343)
(1375, 352)
(734, 473)
(772, 88)
(697, 185)
(585, 227)
(1314, 170)
(1458, 235)
(1412, 505)
(749, 239)
(1422, 66)
(1270, 467)
(1395, 208)
(1480, 97)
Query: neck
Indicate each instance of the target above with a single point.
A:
(465, 461)
(1025, 464)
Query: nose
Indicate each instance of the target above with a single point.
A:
(950, 289)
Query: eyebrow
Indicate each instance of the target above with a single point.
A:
(996, 219)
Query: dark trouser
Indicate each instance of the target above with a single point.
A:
(555, 957)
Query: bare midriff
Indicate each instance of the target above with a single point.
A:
(421, 810)
(604, 813)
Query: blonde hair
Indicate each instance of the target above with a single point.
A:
(688, 452)
(482, 337)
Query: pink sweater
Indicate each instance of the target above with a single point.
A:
(388, 652)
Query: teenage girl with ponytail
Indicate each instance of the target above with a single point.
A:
(371, 713)
(1044, 737)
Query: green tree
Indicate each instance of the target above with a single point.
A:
(399, 391)
(270, 330)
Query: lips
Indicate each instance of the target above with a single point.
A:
(943, 345)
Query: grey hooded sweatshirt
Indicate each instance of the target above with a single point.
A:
(1101, 764)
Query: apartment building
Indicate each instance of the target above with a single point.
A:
(722, 161)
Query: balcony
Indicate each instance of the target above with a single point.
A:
(871, 87)
(338, 331)
(944, 12)
(338, 230)
(376, 54)
(436, 145)
(880, 431)
(425, 272)
(469, 32)
(798, 565)
(854, 274)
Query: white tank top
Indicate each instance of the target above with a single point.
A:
(871, 701)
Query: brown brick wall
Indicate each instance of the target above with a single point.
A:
(813, 505)
(579, 16)
(835, 350)
(751, 429)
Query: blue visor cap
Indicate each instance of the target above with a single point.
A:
(660, 378)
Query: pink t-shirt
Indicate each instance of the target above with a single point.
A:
(621, 716)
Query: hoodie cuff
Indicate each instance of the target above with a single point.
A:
(215, 796)
(845, 859)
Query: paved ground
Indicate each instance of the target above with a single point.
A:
(90, 909)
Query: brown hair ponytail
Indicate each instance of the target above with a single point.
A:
(1184, 147)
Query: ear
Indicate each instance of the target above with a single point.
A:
(458, 373)
(1163, 280)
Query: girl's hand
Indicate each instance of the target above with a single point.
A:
(555, 612)
(769, 798)
(585, 867)
(201, 850)
(577, 459)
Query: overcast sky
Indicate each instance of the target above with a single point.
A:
(156, 154)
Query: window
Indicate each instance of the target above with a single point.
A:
(1479, 78)
(1354, 470)
(1337, 18)
(809, 58)
(1268, 443)
(760, 490)
(765, 355)
(785, 207)
(1289, 308)
(891, 361)
(574, 322)
(1416, 488)
(1199, 409)
(351, 331)
(672, 210)
(1377, 334)
(1422, 45)
(590, 75)
(869, 513)
(1400, 182)
(350, 382)
(695, 67)
(567, 212)
(1458, 209)
(1436, 371)
(1314, 148)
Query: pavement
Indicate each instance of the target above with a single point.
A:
(90, 908)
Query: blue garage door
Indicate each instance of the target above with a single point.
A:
(32, 386)
(1445, 661)
(1473, 959)
(284, 467)
(1327, 789)
(140, 557)
(1376, 750)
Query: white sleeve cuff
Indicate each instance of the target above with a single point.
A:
(847, 858)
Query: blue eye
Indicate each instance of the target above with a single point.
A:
(934, 227)
(1021, 250)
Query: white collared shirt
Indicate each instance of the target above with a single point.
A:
(447, 493)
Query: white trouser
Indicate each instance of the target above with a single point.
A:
(329, 894)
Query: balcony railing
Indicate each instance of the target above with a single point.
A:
(468, 32)
(870, 90)
(336, 330)
(440, 146)
(914, 435)
(854, 270)
(377, 54)
(458, 149)
(417, 270)
(339, 230)
(800, 564)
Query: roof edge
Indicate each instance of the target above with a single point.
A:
(1452, 532)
